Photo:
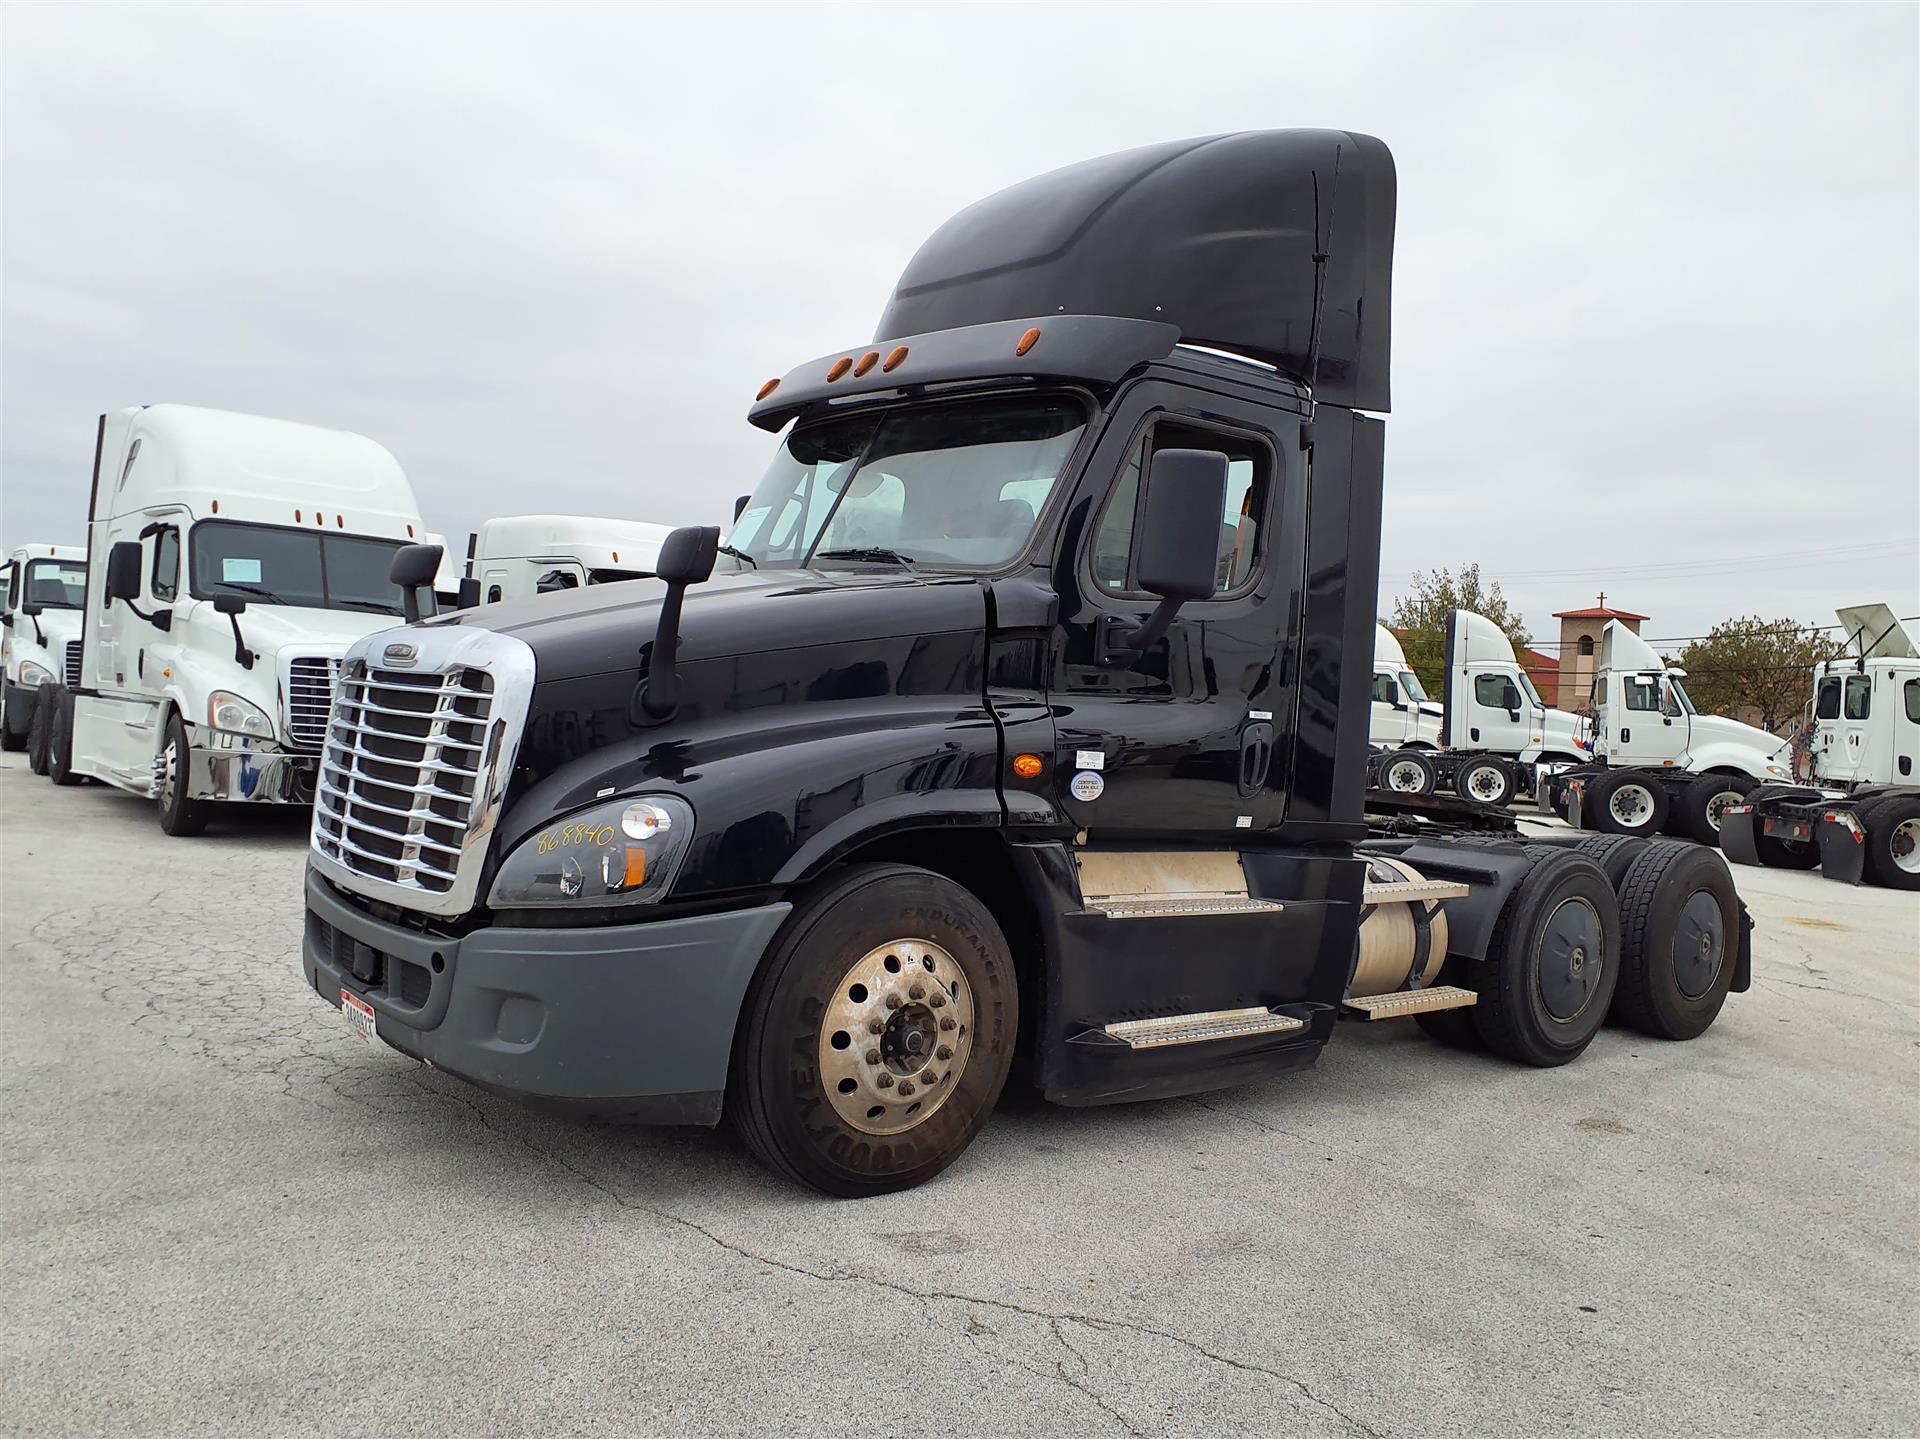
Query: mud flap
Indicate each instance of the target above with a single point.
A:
(1739, 827)
(1743, 954)
(1843, 846)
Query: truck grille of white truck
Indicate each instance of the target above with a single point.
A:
(73, 664)
(417, 750)
(310, 681)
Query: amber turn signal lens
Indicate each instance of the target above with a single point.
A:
(766, 389)
(840, 367)
(636, 867)
(894, 361)
(1027, 341)
(1027, 766)
(867, 362)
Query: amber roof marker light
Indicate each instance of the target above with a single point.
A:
(894, 360)
(1027, 341)
(867, 362)
(765, 390)
(840, 367)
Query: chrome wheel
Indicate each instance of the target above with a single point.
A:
(169, 773)
(1904, 846)
(1631, 805)
(895, 1037)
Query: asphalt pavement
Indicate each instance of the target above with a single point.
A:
(223, 1213)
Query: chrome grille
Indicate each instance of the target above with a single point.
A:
(73, 664)
(310, 680)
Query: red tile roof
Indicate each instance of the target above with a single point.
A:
(1596, 612)
(1534, 660)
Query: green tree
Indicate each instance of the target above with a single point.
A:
(1420, 618)
(1755, 669)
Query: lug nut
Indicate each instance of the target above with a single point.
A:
(946, 1023)
(885, 1081)
(875, 1026)
(873, 1056)
(893, 1001)
(938, 1001)
(906, 1088)
(943, 1052)
(917, 992)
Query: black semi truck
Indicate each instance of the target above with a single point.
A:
(1020, 727)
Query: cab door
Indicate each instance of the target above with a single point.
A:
(1390, 720)
(1193, 735)
(1649, 726)
(1852, 729)
(1903, 719)
(1498, 716)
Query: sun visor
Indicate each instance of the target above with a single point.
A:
(1875, 633)
(1274, 244)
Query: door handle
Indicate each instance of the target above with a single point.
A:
(1625, 735)
(1256, 755)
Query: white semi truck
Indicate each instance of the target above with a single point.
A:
(1402, 713)
(1496, 734)
(518, 556)
(46, 587)
(232, 561)
(1860, 818)
(1659, 764)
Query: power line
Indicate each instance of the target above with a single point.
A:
(1684, 639)
(1707, 565)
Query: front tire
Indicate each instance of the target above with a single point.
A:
(40, 730)
(1623, 802)
(179, 816)
(1704, 800)
(878, 1034)
(60, 741)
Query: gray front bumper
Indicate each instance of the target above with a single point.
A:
(630, 1021)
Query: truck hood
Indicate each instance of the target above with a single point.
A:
(269, 629)
(601, 629)
(1719, 730)
(1565, 731)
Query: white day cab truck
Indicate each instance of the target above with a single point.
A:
(1860, 818)
(1659, 764)
(1496, 735)
(46, 586)
(516, 557)
(1402, 714)
(233, 560)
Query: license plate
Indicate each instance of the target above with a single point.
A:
(359, 1015)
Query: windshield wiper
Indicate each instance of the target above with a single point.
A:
(872, 554)
(377, 606)
(739, 555)
(260, 590)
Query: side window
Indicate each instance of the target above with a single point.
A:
(1912, 690)
(493, 594)
(1496, 692)
(1385, 691)
(13, 585)
(1826, 704)
(166, 564)
(1859, 699)
(1243, 514)
(1643, 693)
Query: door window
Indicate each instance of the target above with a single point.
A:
(1242, 514)
(1385, 691)
(1826, 704)
(1912, 690)
(1496, 692)
(1643, 693)
(165, 578)
(1859, 696)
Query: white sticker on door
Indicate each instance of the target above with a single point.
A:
(1089, 759)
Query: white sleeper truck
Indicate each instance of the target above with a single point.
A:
(46, 586)
(1402, 713)
(233, 560)
(1497, 734)
(1860, 818)
(1659, 764)
(518, 556)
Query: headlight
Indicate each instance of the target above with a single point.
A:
(623, 852)
(32, 676)
(229, 712)
(1775, 769)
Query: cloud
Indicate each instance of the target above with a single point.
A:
(1656, 296)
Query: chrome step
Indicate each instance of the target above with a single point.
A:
(1198, 1028)
(1173, 905)
(1425, 889)
(1411, 1001)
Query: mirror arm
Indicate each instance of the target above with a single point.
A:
(1156, 625)
(39, 635)
(241, 654)
(410, 603)
(660, 690)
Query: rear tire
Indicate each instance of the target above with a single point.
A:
(1624, 802)
(1614, 853)
(1679, 925)
(1408, 772)
(1548, 980)
(848, 1125)
(179, 816)
(1485, 781)
(1893, 843)
(1703, 801)
(40, 730)
(1777, 853)
(60, 742)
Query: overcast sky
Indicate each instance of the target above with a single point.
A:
(1657, 314)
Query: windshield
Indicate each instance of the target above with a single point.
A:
(267, 565)
(957, 485)
(1410, 682)
(1678, 692)
(1526, 683)
(56, 584)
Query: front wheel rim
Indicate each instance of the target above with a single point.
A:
(169, 775)
(1904, 846)
(895, 1037)
(1631, 805)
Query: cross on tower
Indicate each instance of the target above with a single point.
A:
(1603, 599)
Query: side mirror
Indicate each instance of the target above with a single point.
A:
(469, 596)
(740, 507)
(1179, 535)
(30, 608)
(230, 604)
(413, 569)
(685, 559)
(123, 571)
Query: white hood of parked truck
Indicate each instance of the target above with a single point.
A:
(268, 629)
